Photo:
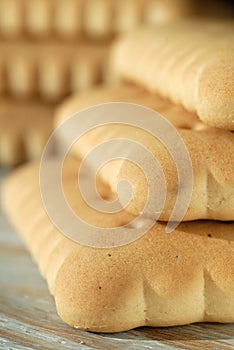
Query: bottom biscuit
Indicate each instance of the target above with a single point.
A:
(158, 280)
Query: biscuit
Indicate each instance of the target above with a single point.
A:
(189, 62)
(159, 280)
(77, 19)
(24, 130)
(210, 149)
(50, 70)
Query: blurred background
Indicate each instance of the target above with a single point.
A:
(52, 48)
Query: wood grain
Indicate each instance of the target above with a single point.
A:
(28, 319)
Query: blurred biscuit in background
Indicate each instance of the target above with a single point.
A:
(50, 70)
(85, 18)
(52, 48)
(24, 130)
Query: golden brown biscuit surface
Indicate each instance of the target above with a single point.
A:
(190, 62)
(159, 280)
(210, 149)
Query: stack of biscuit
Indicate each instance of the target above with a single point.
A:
(185, 72)
(51, 48)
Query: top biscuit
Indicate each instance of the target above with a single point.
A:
(190, 62)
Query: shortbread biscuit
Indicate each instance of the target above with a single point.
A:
(75, 19)
(24, 130)
(190, 62)
(159, 280)
(48, 69)
(210, 149)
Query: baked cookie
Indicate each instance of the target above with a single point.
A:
(210, 149)
(189, 62)
(158, 280)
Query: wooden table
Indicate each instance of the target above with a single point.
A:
(28, 319)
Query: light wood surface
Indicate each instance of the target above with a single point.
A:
(28, 319)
